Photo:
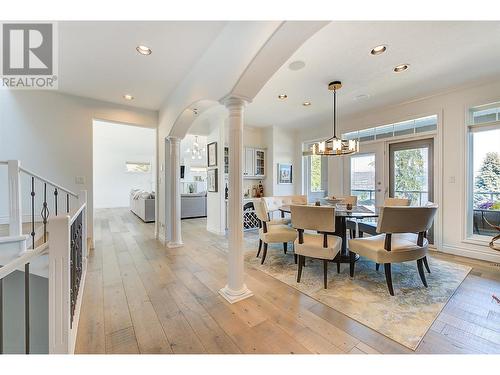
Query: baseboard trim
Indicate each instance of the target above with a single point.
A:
(471, 253)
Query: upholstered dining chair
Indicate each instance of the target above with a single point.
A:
(271, 233)
(320, 245)
(370, 227)
(350, 224)
(402, 239)
(272, 205)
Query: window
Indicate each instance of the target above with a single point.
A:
(316, 181)
(418, 125)
(138, 167)
(363, 178)
(484, 169)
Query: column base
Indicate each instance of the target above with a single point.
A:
(173, 245)
(233, 296)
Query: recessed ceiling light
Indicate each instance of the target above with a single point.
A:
(296, 65)
(143, 50)
(378, 50)
(361, 97)
(128, 97)
(282, 96)
(306, 104)
(401, 68)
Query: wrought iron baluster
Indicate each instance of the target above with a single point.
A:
(56, 193)
(45, 212)
(33, 212)
(67, 203)
(27, 307)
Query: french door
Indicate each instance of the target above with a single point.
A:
(411, 173)
(364, 175)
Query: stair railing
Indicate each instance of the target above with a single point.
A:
(67, 248)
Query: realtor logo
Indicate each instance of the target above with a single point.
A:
(29, 57)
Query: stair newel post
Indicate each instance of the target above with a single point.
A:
(15, 207)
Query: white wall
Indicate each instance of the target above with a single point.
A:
(451, 108)
(51, 133)
(216, 206)
(114, 145)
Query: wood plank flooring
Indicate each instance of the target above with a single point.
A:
(141, 297)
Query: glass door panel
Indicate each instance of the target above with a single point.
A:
(363, 179)
(411, 172)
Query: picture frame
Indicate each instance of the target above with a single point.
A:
(285, 174)
(212, 154)
(212, 181)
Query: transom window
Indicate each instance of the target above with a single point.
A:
(415, 126)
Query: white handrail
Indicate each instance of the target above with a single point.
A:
(22, 260)
(32, 174)
(77, 212)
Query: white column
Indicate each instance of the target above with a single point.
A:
(235, 290)
(175, 193)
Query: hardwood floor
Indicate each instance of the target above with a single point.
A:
(141, 297)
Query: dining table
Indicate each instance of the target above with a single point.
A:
(341, 217)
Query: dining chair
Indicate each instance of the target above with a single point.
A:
(272, 205)
(370, 227)
(323, 244)
(402, 239)
(272, 233)
(350, 224)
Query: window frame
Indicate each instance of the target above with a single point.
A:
(470, 129)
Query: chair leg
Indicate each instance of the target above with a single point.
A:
(352, 258)
(420, 266)
(388, 277)
(338, 265)
(299, 272)
(260, 247)
(426, 264)
(285, 247)
(325, 273)
(295, 258)
(377, 266)
(360, 234)
(264, 253)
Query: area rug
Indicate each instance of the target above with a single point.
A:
(405, 318)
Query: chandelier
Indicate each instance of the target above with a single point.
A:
(333, 146)
(196, 151)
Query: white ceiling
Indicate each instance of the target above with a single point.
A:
(441, 55)
(98, 59)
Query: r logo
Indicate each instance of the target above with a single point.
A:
(27, 49)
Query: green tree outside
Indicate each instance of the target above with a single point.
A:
(488, 179)
(315, 173)
(409, 174)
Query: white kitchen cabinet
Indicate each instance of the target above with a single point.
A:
(254, 162)
(249, 169)
(259, 162)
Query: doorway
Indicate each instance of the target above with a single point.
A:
(124, 168)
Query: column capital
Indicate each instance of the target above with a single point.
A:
(234, 101)
(173, 139)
